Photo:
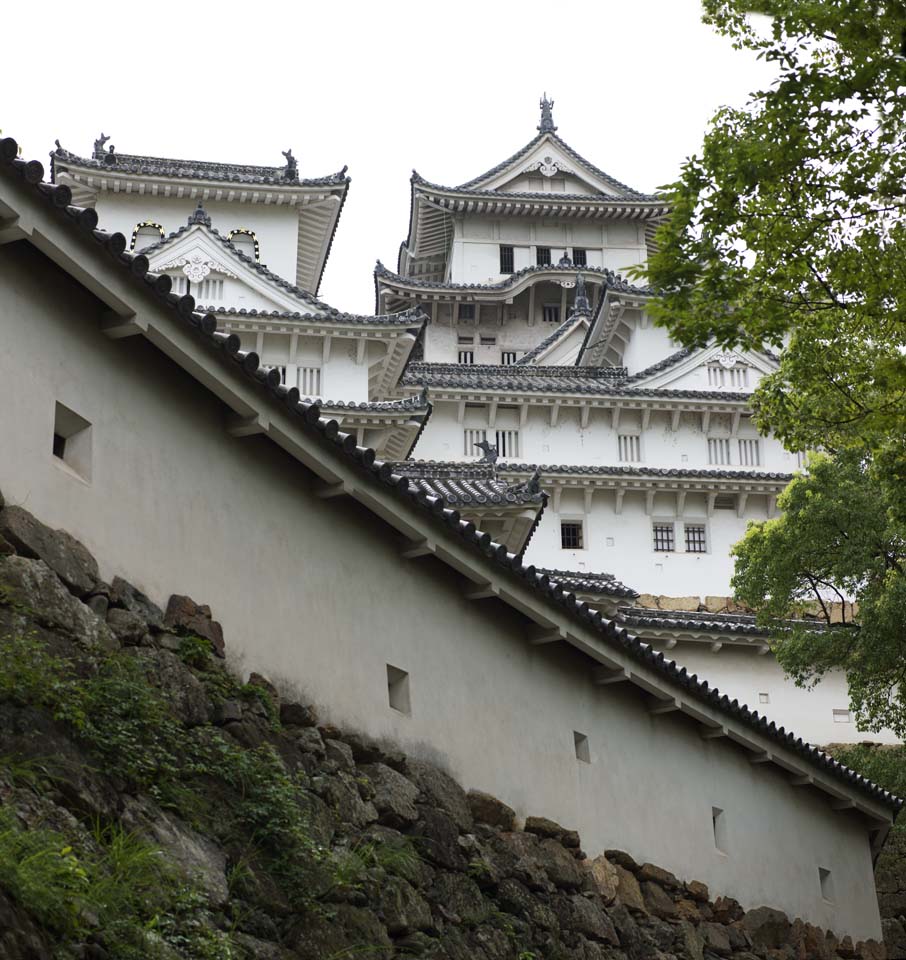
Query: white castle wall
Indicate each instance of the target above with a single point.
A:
(315, 590)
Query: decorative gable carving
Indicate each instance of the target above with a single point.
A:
(196, 266)
(548, 166)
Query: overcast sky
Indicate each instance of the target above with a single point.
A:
(448, 89)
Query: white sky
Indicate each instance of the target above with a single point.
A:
(447, 89)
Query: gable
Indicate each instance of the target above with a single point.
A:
(547, 168)
(712, 368)
(563, 352)
(217, 276)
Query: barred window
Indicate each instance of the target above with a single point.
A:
(719, 451)
(663, 537)
(695, 538)
(466, 356)
(308, 380)
(630, 447)
(508, 356)
(579, 257)
(543, 256)
(507, 443)
(506, 259)
(470, 437)
(736, 378)
(749, 453)
(488, 341)
(571, 535)
(551, 313)
(466, 311)
(466, 340)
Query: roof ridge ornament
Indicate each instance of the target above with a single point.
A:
(580, 301)
(547, 124)
(199, 215)
(291, 170)
(99, 146)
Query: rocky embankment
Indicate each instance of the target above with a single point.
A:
(155, 806)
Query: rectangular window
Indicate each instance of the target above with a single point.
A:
(749, 453)
(764, 698)
(719, 827)
(725, 501)
(466, 311)
(582, 751)
(551, 313)
(506, 259)
(507, 443)
(72, 440)
(826, 882)
(469, 438)
(488, 341)
(579, 257)
(695, 538)
(735, 378)
(842, 716)
(508, 356)
(467, 356)
(630, 447)
(282, 369)
(571, 535)
(466, 340)
(543, 256)
(719, 451)
(398, 689)
(663, 537)
(308, 380)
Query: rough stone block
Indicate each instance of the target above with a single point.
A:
(657, 901)
(601, 877)
(698, 891)
(628, 890)
(648, 871)
(127, 627)
(768, 928)
(544, 828)
(442, 791)
(490, 810)
(124, 594)
(717, 938)
(394, 795)
(340, 753)
(67, 557)
(298, 715)
(648, 600)
(185, 616)
(689, 604)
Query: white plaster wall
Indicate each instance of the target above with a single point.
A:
(277, 227)
(647, 345)
(745, 675)
(316, 591)
(598, 445)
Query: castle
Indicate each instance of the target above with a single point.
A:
(377, 515)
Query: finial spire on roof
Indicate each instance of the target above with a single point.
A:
(580, 303)
(547, 117)
(199, 215)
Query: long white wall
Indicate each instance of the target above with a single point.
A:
(316, 591)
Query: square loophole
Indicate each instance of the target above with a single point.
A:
(398, 689)
(583, 751)
(72, 440)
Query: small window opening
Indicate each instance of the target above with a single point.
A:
(571, 535)
(467, 356)
(551, 312)
(508, 356)
(842, 716)
(506, 259)
(764, 698)
(398, 689)
(663, 537)
(719, 826)
(696, 540)
(466, 311)
(543, 256)
(580, 258)
(488, 341)
(583, 752)
(827, 884)
(72, 440)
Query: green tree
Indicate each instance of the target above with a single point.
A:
(836, 539)
(789, 232)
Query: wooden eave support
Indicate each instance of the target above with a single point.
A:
(714, 733)
(238, 426)
(843, 804)
(330, 490)
(116, 327)
(417, 548)
(663, 706)
(10, 230)
(539, 636)
(763, 756)
(603, 676)
(805, 780)
(481, 591)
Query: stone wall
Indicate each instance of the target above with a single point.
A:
(717, 604)
(482, 886)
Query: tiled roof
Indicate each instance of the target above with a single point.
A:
(613, 281)
(664, 364)
(475, 484)
(197, 169)
(567, 325)
(598, 381)
(581, 582)
(382, 474)
(567, 149)
(742, 623)
(635, 471)
(412, 317)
